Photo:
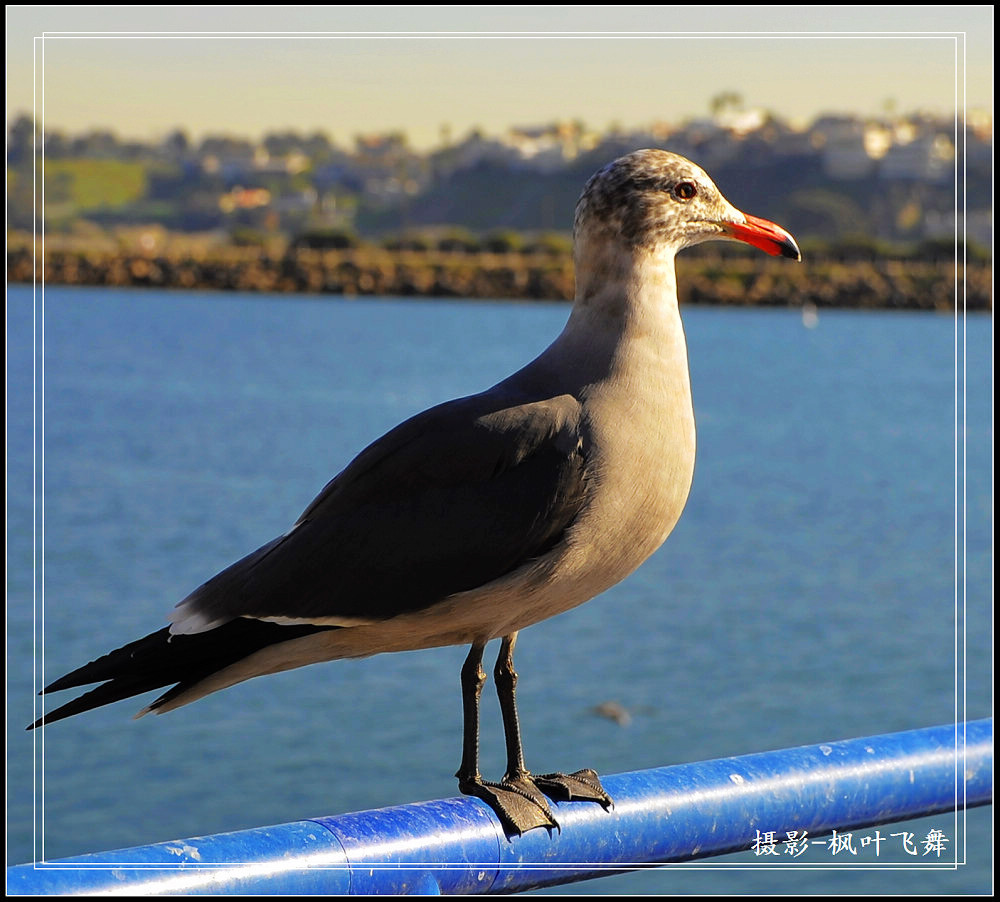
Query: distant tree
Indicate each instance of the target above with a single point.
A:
(225, 146)
(279, 144)
(726, 101)
(318, 147)
(57, 145)
(97, 144)
(134, 150)
(176, 144)
(20, 140)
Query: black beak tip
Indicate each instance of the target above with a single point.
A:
(791, 250)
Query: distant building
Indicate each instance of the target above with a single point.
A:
(840, 143)
(290, 163)
(928, 158)
(549, 148)
(244, 199)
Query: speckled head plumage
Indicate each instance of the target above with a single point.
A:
(657, 200)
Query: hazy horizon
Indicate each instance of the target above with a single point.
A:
(621, 72)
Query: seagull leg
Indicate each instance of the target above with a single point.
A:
(515, 799)
(581, 786)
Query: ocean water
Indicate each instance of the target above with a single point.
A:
(808, 593)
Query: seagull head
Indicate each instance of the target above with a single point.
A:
(655, 202)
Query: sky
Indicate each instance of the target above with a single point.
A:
(349, 70)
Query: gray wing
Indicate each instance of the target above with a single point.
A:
(449, 500)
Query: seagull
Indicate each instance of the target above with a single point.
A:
(486, 514)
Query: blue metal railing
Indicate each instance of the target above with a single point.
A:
(457, 845)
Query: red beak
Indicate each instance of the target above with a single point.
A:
(770, 238)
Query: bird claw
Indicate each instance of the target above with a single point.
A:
(517, 801)
(581, 786)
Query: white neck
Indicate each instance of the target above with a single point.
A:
(623, 298)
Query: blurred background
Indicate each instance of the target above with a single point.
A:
(830, 577)
(328, 136)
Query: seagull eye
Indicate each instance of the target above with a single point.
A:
(685, 190)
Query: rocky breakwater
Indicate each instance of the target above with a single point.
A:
(876, 284)
(350, 272)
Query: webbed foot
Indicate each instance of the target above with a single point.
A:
(517, 801)
(581, 786)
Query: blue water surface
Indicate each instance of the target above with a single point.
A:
(808, 594)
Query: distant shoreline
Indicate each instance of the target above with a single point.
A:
(729, 281)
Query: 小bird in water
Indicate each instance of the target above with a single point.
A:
(486, 514)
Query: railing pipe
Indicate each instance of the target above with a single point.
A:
(457, 846)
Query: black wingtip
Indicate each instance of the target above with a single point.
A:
(160, 660)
